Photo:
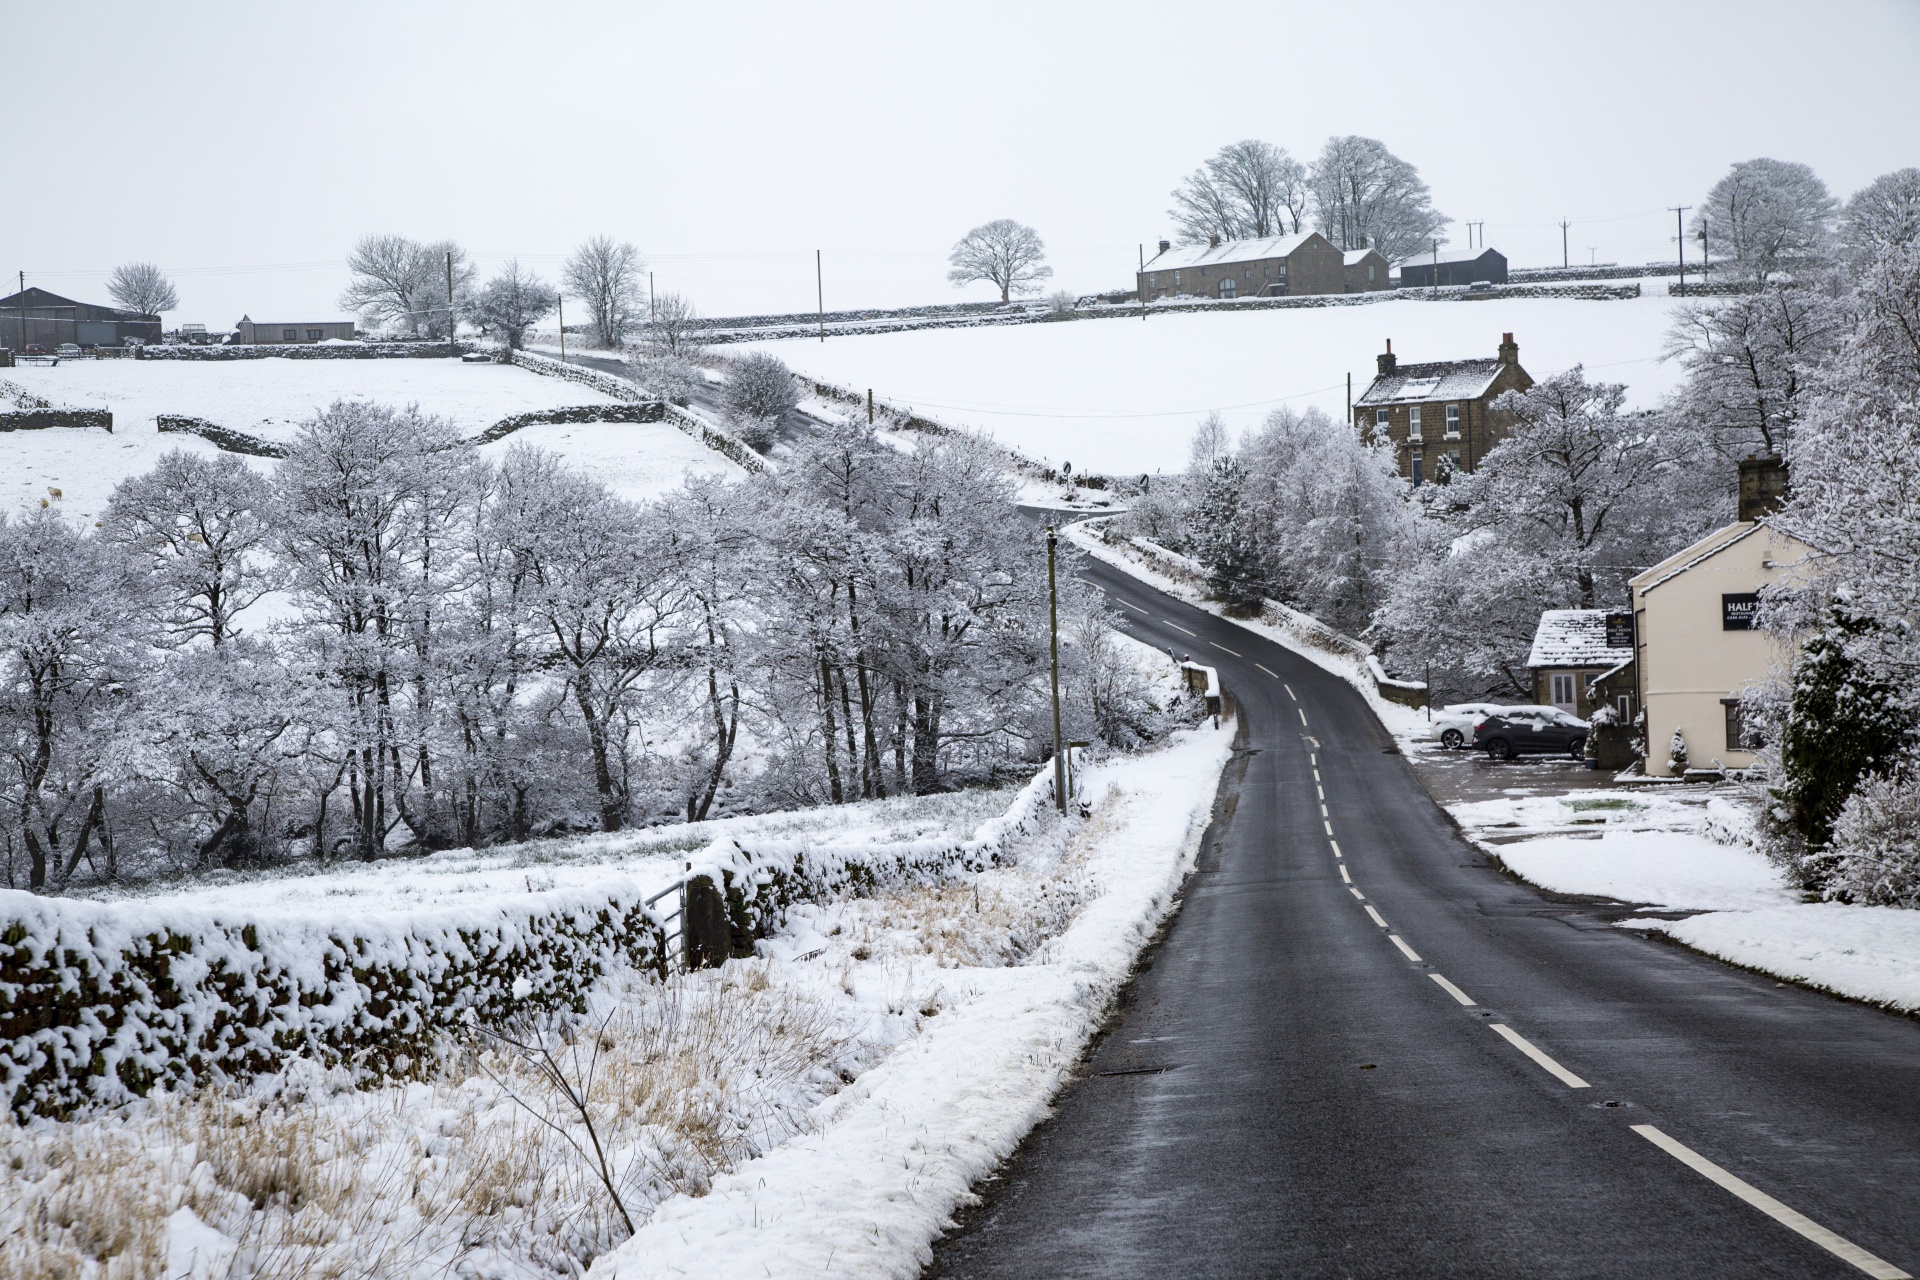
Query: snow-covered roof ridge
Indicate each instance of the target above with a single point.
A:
(1575, 638)
(1435, 380)
(1451, 255)
(1353, 256)
(1195, 255)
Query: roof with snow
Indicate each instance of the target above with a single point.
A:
(1440, 380)
(1360, 255)
(1575, 638)
(1201, 255)
(1452, 255)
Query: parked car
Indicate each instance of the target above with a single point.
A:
(68, 351)
(38, 349)
(1531, 731)
(1453, 725)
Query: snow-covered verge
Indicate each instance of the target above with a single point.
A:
(890, 1158)
(952, 1006)
(1679, 851)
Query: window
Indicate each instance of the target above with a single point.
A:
(1205, 272)
(1248, 275)
(1740, 737)
(1453, 422)
(1453, 457)
(1380, 418)
(289, 335)
(1369, 271)
(1413, 421)
(314, 335)
(1226, 289)
(1153, 280)
(1562, 691)
(1266, 272)
(1176, 278)
(1625, 703)
(1414, 467)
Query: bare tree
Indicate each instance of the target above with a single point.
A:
(1765, 213)
(606, 276)
(1365, 197)
(511, 303)
(1246, 190)
(142, 287)
(673, 328)
(397, 281)
(1003, 253)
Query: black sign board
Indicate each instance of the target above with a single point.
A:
(1619, 629)
(1737, 610)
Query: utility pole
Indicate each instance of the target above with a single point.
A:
(1592, 250)
(560, 301)
(1053, 620)
(649, 297)
(1706, 258)
(869, 406)
(820, 288)
(23, 313)
(1563, 243)
(1436, 268)
(1349, 395)
(1142, 277)
(1680, 239)
(450, 334)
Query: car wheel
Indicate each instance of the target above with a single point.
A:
(1452, 739)
(1500, 749)
(1579, 749)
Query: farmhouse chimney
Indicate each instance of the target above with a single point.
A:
(1763, 487)
(1165, 245)
(1509, 350)
(1387, 361)
(1213, 242)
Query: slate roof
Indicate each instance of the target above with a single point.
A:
(1200, 255)
(1575, 638)
(1360, 255)
(1453, 255)
(1440, 380)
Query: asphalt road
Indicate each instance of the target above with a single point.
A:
(1287, 1090)
(793, 428)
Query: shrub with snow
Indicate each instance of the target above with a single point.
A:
(1876, 840)
(1677, 754)
(759, 390)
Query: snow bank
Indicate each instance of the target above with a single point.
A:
(895, 1154)
(1866, 953)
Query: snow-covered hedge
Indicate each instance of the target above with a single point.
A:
(224, 437)
(762, 880)
(40, 419)
(103, 1002)
(311, 351)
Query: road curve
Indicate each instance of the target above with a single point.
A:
(1288, 1089)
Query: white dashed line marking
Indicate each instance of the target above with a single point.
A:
(1452, 990)
(1328, 826)
(1124, 605)
(1289, 689)
(1324, 813)
(1222, 648)
(1356, 893)
(1303, 715)
(1316, 775)
(1317, 787)
(1838, 1246)
(1262, 666)
(1177, 627)
(1405, 950)
(1344, 877)
(1336, 847)
(1545, 1063)
(1376, 917)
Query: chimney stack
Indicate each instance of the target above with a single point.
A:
(1165, 245)
(1387, 361)
(1509, 350)
(1213, 242)
(1763, 487)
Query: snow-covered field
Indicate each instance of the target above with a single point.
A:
(1122, 396)
(268, 398)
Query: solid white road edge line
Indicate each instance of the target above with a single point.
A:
(1545, 1063)
(1222, 648)
(1356, 893)
(1405, 950)
(1263, 667)
(1376, 917)
(1344, 877)
(1840, 1247)
(1177, 627)
(1452, 990)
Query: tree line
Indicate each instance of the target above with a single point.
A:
(394, 643)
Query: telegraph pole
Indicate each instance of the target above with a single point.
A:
(1053, 621)
(1680, 239)
(1563, 243)
(820, 293)
(450, 334)
(649, 297)
(1436, 267)
(1706, 258)
(560, 301)
(1142, 277)
(23, 313)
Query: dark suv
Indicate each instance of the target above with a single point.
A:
(1531, 731)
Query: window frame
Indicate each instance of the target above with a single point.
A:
(1452, 422)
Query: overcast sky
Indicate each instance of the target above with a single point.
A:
(245, 147)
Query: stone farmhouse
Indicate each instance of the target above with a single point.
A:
(1276, 267)
(1439, 410)
(281, 333)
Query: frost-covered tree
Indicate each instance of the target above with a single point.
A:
(71, 626)
(1765, 214)
(1365, 197)
(673, 326)
(760, 390)
(402, 283)
(1884, 214)
(1004, 253)
(672, 378)
(142, 287)
(1223, 534)
(1748, 358)
(605, 274)
(1245, 190)
(201, 528)
(511, 303)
